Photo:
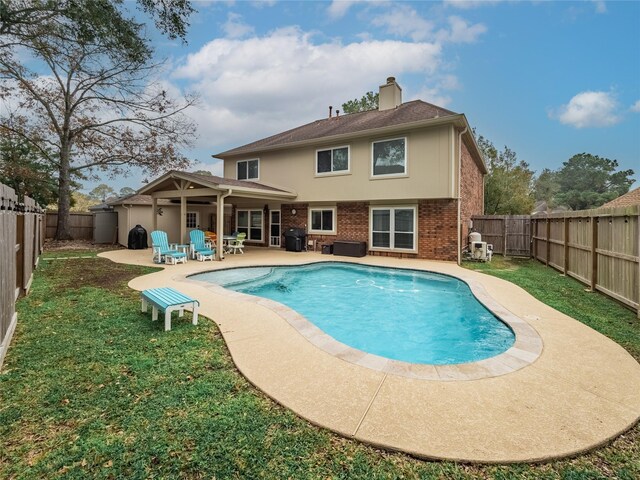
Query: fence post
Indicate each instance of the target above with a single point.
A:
(534, 234)
(504, 226)
(638, 310)
(566, 246)
(547, 242)
(594, 254)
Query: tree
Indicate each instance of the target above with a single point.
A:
(369, 101)
(22, 169)
(508, 185)
(203, 172)
(102, 192)
(588, 181)
(546, 187)
(126, 191)
(95, 107)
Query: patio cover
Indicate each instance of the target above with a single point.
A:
(183, 185)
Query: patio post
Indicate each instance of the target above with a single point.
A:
(154, 209)
(219, 225)
(183, 218)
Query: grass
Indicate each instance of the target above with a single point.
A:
(570, 297)
(91, 388)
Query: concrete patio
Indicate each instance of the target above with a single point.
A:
(580, 392)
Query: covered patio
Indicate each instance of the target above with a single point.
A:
(191, 187)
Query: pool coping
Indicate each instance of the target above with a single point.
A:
(526, 349)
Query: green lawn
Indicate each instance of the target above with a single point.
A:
(91, 388)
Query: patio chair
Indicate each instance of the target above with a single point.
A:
(161, 247)
(198, 243)
(237, 244)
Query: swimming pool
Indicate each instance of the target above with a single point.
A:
(407, 315)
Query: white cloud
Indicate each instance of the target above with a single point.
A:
(339, 8)
(589, 109)
(601, 6)
(461, 31)
(234, 27)
(404, 21)
(258, 86)
(636, 107)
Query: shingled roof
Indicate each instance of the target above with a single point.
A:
(630, 198)
(408, 112)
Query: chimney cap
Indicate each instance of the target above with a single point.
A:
(391, 79)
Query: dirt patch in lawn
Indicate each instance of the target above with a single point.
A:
(90, 272)
(51, 245)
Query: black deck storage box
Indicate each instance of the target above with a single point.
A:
(294, 239)
(327, 249)
(350, 249)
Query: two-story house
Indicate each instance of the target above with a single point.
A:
(405, 178)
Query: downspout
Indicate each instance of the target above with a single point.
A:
(459, 196)
(220, 223)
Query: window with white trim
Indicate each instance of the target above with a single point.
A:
(332, 160)
(248, 169)
(322, 220)
(393, 228)
(389, 157)
(250, 222)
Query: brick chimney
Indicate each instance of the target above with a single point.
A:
(390, 95)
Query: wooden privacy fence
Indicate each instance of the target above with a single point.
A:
(510, 235)
(21, 242)
(600, 248)
(81, 224)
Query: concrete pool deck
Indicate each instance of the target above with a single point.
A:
(580, 392)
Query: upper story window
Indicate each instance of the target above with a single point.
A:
(332, 160)
(389, 157)
(248, 169)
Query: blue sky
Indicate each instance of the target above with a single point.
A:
(547, 79)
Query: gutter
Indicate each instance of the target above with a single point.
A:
(459, 196)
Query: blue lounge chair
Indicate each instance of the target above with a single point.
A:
(162, 248)
(199, 245)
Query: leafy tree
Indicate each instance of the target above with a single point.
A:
(126, 191)
(203, 172)
(81, 202)
(22, 169)
(588, 181)
(97, 106)
(546, 187)
(369, 101)
(102, 192)
(508, 188)
(95, 20)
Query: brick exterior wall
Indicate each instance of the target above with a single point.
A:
(471, 192)
(437, 232)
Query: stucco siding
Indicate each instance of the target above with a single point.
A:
(428, 170)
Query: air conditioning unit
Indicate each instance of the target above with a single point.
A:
(480, 251)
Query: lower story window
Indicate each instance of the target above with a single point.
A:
(393, 228)
(250, 223)
(322, 220)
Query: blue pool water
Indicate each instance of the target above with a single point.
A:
(413, 316)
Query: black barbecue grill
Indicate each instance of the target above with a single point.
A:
(295, 239)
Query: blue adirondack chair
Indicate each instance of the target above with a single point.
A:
(161, 247)
(199, 244)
